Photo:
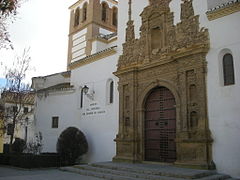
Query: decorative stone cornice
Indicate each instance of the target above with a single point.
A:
(223, 10)
(94, 57)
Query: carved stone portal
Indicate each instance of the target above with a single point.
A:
(165, 56)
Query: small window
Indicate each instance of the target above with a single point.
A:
(76, 19)
(9, 129)
(109, 91)
(111, 88)
(228, 70)
(25, 110)
(115, 17)
(84, 16)
(104, 12)
(81, 98)
(55, 122)
(15, 109)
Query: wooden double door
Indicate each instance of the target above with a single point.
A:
(160, 126)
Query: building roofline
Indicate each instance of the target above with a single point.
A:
(80, 1)
(223, 5)
(64, 73)
(223, 9)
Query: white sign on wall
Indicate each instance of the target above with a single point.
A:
(94, 109)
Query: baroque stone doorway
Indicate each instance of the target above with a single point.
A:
(176, 60)
(160, 126)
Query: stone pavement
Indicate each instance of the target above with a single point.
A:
(10, 173)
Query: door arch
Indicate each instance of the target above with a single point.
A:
(160, 126)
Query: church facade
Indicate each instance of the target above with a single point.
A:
(162, 83)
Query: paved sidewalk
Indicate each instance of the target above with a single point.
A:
(9, 173)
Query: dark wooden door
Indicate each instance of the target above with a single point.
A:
(160, 126)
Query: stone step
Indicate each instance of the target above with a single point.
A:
(126, 173)
(97, 174)
(216, 177)
(160, 170)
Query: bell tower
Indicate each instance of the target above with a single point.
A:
(90, 19)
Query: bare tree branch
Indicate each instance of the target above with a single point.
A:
(8, 12)
(17, 93)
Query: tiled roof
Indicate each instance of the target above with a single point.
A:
(12, 97)
(224, 5)
(108, 36)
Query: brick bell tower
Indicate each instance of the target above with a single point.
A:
(89, 19)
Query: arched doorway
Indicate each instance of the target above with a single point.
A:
(160, 126)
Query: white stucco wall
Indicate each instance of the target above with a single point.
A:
(98, 46)
(62, 105)
(101, 128)
(224, 101)
(104, 31)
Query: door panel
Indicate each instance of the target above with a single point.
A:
(160, 126)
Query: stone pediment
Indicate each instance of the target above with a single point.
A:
(160, 38)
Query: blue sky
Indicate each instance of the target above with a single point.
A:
(2, 82)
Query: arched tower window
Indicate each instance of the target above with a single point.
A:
(104, 12)
(84, 15)
(228, 70)
(115, 16)
(76, 18)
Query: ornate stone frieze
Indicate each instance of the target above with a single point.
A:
(159, 36)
